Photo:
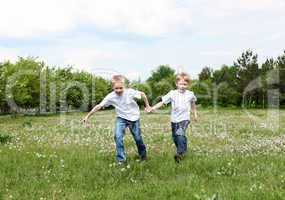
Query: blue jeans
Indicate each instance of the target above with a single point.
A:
(179, 136)
(134, 126)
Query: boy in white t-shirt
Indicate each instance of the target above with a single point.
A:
(182, 102)
(128, 115)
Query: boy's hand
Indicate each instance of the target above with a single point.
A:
(149, 109)
(195, 118)
(84, 120)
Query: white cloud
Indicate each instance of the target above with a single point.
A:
(220, 31)
(8, 54)
(217, 53)
(252, 5)
(39, 17)
(88, 58)
(230, 8)
(34, 17)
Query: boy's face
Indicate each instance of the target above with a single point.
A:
(118, 87)
(182, 85)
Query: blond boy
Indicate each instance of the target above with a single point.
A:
(128, 116)
(182, 102)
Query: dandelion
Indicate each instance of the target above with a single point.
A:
(133, 180)
(62, 163)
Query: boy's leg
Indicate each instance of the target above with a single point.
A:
(119, 139)
(179, 136)
(136, 132)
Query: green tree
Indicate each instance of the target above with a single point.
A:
(161, 81)
(144, 87)
(225, 79)
(203, 91)
(266, 67)
(248, 71)
(206, 74)
(280, 66)
(22, 81)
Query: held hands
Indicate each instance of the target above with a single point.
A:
(149, 109)
(86, 123)
(84, 120)
(195, 118)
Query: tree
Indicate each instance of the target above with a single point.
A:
(144, 87)
(248, 71)
(162, 72)
(161, 80)
(266, 67)
(3, 104)
(280, 65)
(206, 74)
(203, 91)
(22, 82)
(225, 79)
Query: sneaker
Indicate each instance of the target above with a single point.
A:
(143, 158)
(177, 158)
(121, 163)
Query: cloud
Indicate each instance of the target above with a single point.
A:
(217, 53)
(88, 58)
(232, 8)
(36, 18)
(8, 54)
(126, 36)
(252, 5)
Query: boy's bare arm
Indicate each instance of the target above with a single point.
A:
(95, 109)
(157, 106)
(194, 110)
(144, 97)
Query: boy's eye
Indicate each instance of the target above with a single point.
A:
(120, 88)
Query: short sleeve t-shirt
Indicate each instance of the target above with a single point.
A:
(180, 104)
(125, 105)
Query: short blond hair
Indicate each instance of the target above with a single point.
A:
(183, 76)
(118, 78)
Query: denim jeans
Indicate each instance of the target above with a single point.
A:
(134, 127)
(179, 135)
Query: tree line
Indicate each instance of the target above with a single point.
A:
(32, 85)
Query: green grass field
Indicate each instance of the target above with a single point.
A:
(231, 156)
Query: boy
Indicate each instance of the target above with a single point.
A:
(182, 100)
(128, 115)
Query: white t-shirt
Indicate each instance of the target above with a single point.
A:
(125, 105)
(180, 104)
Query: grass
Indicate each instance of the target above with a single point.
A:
(231, 156)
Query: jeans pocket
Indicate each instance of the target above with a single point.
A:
(180, 131)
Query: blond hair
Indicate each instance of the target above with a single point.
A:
(118, 78)
(183, 76)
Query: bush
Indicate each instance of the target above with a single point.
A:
(5, 138)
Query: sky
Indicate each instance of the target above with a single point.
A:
(133, 37)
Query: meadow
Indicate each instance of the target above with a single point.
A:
(231, 156)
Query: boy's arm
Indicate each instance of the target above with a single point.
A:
(165, 100)
(156, 106)
(194, 110)
(146, 103)
(95, 109)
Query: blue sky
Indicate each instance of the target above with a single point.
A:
(133, 37)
